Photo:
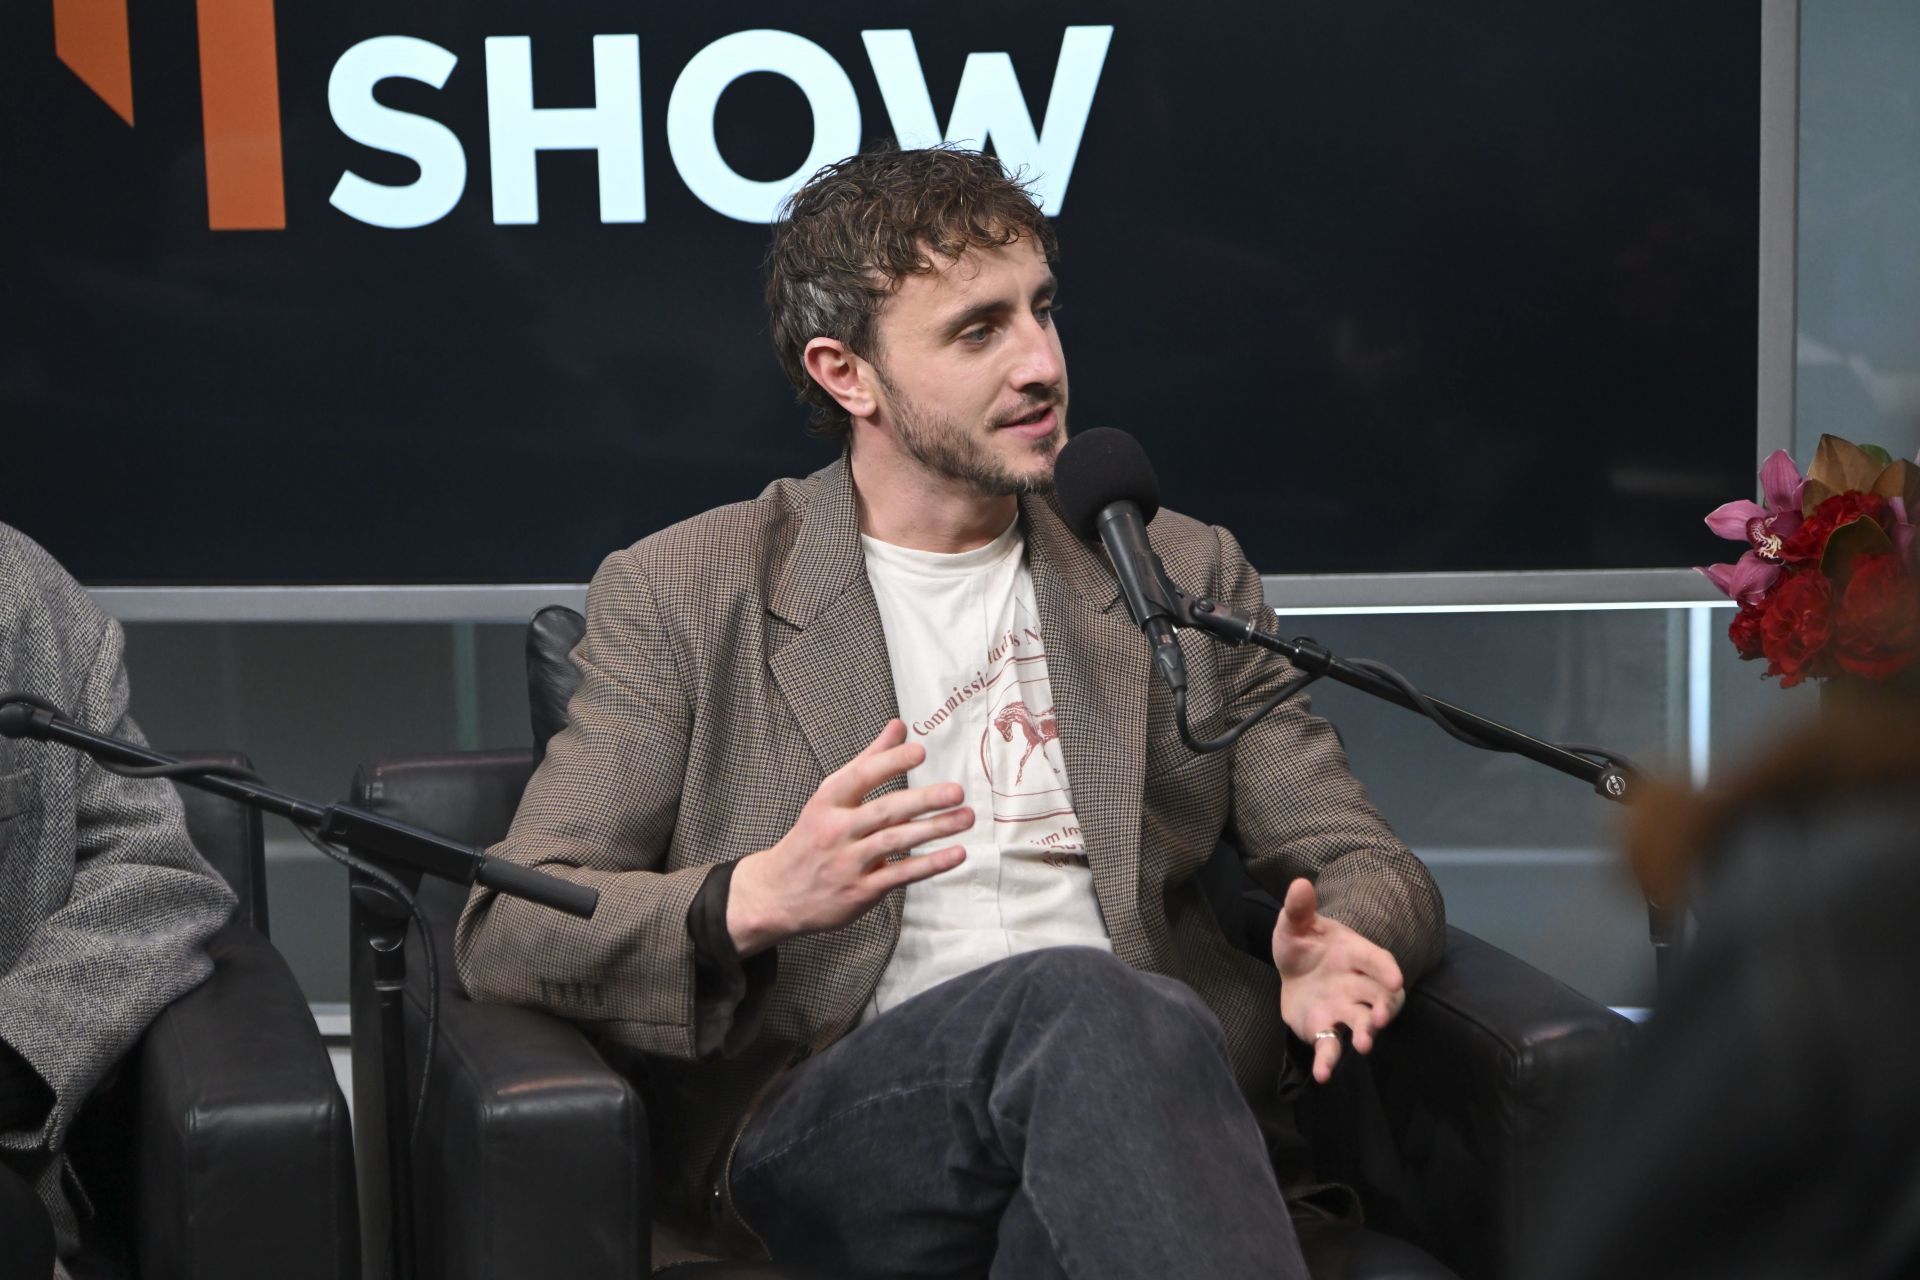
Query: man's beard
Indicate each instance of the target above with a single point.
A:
(943, 446)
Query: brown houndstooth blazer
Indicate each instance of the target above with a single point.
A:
(734, 660)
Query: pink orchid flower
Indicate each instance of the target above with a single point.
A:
(1763, 529)
(1903, 529)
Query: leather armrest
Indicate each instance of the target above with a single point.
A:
(533, 1158)
(245, 1153)
(1451, 1129)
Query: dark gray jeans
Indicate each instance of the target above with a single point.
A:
(1053, 1114)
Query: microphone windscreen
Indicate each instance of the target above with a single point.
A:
(16, 719)
(1099, 467)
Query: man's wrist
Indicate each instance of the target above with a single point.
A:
(749, 923)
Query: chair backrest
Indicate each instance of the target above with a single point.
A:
(551, 674)
(229, 836)
(469, 795)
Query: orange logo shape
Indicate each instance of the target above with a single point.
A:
(91, 38)
(239, 97)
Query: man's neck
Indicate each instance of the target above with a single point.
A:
(902, 503)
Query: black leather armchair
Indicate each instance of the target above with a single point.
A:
(534, 1158)
(222, 1149)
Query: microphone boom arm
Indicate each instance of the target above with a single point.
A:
(1610, 776)
(380, 838)
(1608, 779)
(380, 845)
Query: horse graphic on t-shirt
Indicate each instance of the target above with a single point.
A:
(1040, 731)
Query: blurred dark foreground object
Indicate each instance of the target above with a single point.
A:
(1771, 1127)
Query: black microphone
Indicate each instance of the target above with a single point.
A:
(23, 717)
(1107, 489)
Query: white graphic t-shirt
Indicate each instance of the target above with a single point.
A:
(970, 672)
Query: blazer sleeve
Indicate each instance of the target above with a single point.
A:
(600, 811)
(1299, 811)
(130, 937)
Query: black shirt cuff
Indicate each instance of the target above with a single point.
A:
(729, 994)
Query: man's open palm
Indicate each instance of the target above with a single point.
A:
(1331, 977)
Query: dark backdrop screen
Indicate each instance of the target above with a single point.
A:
(1382, 285)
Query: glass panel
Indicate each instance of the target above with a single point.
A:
(1527, 857)
(1859, 262)
(309, 704)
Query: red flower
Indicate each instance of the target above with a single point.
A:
(1810, 542)
(1796, 625)
(1744, 631)
(1877, 626)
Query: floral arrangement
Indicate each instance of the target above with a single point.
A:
(1828, 585)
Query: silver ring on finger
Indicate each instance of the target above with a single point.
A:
(1328, 1034)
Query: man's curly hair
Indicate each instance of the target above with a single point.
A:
(860, 226)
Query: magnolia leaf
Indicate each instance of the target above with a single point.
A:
(1901, 480)
(1838, 466)
(1877, 453)
(1845, 545)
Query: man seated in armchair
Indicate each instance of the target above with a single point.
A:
(105, 907)
(895, 836)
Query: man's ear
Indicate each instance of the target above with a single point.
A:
(842, 374)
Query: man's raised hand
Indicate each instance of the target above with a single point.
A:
(832, 866)
(1331, 977)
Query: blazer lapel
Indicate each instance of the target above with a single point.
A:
(1099, 671)
(833, 670)
(832, 666)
